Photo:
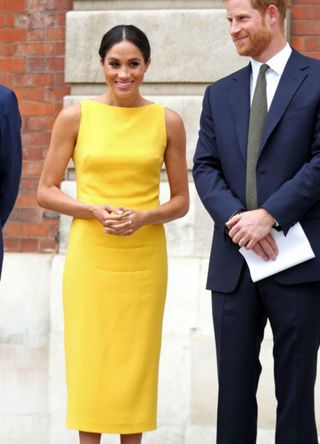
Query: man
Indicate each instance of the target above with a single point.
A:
(10, 156)
(254, 171)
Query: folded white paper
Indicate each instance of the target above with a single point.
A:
(294, 248)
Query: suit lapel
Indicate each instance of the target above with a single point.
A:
(292, 77)
(239, 99)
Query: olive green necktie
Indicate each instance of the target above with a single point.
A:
(258, 114)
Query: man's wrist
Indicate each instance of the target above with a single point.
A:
(239, 211)
(275, 223)
(226, 228)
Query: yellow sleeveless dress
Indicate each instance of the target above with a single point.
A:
(114, 287)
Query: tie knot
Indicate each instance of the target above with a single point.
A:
(264, 68)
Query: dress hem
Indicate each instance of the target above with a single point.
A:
(123, 429)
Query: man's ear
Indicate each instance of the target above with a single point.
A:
(272, 14)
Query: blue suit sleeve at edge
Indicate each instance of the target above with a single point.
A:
(10, 155)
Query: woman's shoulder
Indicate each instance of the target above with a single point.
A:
(69, 119)
(71, 112)
(173, 119)
(70, 116)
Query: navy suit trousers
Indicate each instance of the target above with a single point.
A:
(239, 321)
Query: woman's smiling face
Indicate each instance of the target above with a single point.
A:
(124, 68)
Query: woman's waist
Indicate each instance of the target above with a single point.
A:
(91, 248)
(92, 231)
(143, 202)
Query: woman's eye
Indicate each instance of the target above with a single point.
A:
(134, 64)
(114, 64)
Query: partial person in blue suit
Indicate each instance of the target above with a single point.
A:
(10, 156)
(287, 188)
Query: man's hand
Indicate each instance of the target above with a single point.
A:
(251, 229)
(266, 248)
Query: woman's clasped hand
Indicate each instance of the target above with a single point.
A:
(120, 221)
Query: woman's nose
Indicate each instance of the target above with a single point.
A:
(123, 72)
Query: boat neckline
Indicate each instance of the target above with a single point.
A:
(122, 107)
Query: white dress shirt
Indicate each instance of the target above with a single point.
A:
(276, 64)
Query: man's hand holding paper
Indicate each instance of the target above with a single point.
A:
(294, 248)
(251, 230)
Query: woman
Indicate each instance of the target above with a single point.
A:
(115, 272)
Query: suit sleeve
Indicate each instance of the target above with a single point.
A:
(10, 155)
(210, 183)
(297, 195)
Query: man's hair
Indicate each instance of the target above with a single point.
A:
(262, 6)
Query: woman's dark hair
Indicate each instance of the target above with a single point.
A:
(125, 32)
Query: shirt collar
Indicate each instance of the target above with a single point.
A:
(277, 63)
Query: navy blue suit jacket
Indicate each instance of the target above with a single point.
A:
(10, 156)
(288, 167)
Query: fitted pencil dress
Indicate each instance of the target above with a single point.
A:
(114, 286)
